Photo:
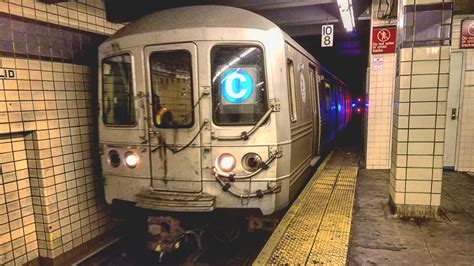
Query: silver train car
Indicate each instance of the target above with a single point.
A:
(212, 107)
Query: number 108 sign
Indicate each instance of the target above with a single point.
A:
(327, 35)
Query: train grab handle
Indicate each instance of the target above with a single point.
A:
(246, 134)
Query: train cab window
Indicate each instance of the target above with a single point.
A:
(172, 93)
(290, 69)
(117, 91)
(238, 85)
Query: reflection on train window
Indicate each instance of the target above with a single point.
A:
(290, 69)
(172, 89)
(117, 95)
(238, 85)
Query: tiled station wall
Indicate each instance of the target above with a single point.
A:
(50, 195)
(380, 111)
(380, 99)
(466, 130)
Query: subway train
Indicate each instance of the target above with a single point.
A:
(212, 107)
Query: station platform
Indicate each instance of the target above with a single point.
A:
(378, 237)
(316, 228)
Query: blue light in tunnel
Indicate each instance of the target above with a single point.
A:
(353, 105)
(339, 107)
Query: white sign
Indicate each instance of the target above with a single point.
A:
(378, 64)
(327, 35)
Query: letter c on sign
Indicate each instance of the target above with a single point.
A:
(236, 86)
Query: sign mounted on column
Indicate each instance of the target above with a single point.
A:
(383, 40)
(327, 35)
(467, 33)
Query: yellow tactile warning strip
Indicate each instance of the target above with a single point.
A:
(316, 228)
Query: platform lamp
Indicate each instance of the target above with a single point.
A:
(347, 14)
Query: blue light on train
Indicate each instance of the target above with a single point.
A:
(353, 105)
(236, 86)
(339, 107)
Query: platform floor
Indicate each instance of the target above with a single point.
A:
(316, 228)
(377, 237)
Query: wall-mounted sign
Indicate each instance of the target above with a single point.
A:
(327, 35)
(377, 64)
(383, 40)
(467, 33)
(7, 73)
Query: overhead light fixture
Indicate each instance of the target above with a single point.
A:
(347, 14)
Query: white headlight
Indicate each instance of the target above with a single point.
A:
(131, 159)
(226, 162)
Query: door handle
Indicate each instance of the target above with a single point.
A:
(454, 113)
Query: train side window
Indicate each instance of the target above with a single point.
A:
(327, 96)
(312, 84)
(172, 93)
(117, 91)
(290, 69)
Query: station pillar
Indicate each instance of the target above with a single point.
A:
(419, 113)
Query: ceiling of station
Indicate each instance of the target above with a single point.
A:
(297, 18)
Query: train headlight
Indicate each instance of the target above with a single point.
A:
(113, 158)
(131, 159)
(226, 162)
(251, 162)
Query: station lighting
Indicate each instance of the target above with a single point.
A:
(347, 14)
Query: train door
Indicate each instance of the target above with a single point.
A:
(315, 109)
(175, 124)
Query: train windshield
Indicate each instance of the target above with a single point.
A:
(171, 82)
(117, 91)
(238, 85)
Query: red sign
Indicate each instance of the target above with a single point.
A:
(467, 34)
(383, 40)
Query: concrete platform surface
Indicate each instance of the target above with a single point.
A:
(378, 237)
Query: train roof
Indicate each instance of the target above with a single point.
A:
(205, 17)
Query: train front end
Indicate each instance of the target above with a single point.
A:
(191, 123)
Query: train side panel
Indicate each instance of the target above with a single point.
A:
(328, 111)
(301, 120)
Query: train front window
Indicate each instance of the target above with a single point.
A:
(238, 85)
(171, 81)
(117, 91)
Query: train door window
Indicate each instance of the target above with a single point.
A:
(290, 69)
(117, 91)
(239, 94)
(172, 93)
